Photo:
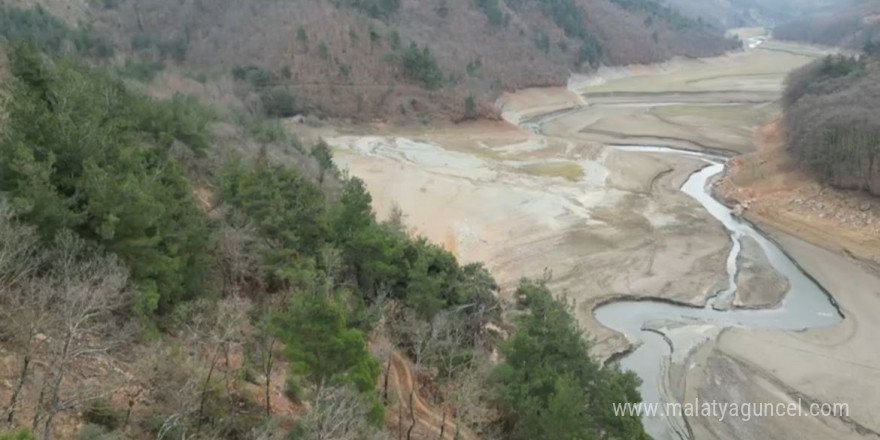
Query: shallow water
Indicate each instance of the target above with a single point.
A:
(805, 305)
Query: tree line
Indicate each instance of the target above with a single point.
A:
(831, 119)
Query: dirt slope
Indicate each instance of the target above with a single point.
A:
(773, 190)
(431, 421)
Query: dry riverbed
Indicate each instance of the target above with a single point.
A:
(544, 193)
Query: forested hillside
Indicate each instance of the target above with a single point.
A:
(173, 270)
(391, 59)
(748, 13)
(849, 24)
(831, 119)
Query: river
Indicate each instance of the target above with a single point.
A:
(662, 331)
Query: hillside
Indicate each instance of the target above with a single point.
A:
(831, 120)
(851, 25)
(748, 13)
(354, 59)
(173, 270)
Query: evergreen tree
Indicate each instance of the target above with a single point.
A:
(548, 386)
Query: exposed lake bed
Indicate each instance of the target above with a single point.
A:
(550, 192)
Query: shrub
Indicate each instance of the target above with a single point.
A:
(279, 103)
(419, 65)
(470, 107)
(294, 391)
(22, 434)
(256, 75)
(103, 413)
(394, 38)
(95, 432)
(590, 52)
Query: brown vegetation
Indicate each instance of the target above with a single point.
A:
(850, 26)
(831, 120)
(773, 189)
(335, 60)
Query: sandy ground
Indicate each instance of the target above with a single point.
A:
(543, 193)
(825, 365)
(758, 286)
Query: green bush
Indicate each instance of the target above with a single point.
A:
(470, 107)
(103, 413)
(22, 434)
(279, 103)
(322, 153)
(419, 65)
(294, 391)
(96, 432)
(256, 75)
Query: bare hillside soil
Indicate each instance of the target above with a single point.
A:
(774, 190)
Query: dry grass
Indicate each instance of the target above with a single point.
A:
(747, 115)
(740, 71)
(568, 170)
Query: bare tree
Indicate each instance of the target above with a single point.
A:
(219, 335)
(89, 287)
(25, 299)
(234, 244)
(174, 384)
(419, 335)
(470, 396)
(337, 413)
(263, 344)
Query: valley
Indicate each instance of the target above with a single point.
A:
(453, 219)
(547, 191)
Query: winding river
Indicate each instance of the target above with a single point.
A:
(663, 332)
